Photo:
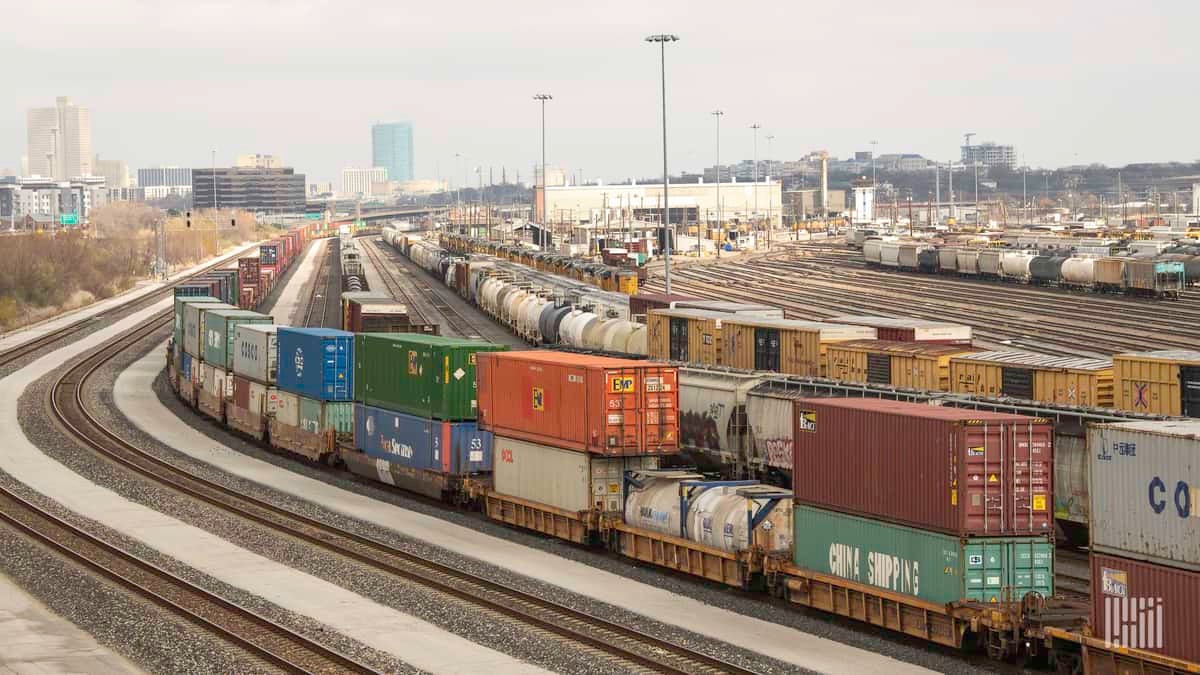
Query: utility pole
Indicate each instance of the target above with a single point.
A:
(950, 186)
(874, 147)
(756, 126)
(769, 139)
(720, 223)
(937, 191)
(662, 39)
(1025, 192)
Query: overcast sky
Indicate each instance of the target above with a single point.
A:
(1067, 82)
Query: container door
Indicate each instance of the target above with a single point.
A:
(766, 349)
(678, 339)
(1189, 390)
(1017, 382)
(879, 368)
(336, 370)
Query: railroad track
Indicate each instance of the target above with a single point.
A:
(458, 324)
(257, 635)
(318, 296)
(579, 630)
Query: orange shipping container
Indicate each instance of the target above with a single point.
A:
(580, 402)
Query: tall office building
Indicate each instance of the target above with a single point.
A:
(989, 155)
(160, 176)
(114, 171)
(392, 149)
(60, 140)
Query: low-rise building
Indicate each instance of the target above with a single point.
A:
(267, 190)
(48, 201)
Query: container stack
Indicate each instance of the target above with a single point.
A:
(315, 399)
(568, 426)
(939, 503)
(216, 355)
(185, 366)
(1145, 535)
(255, 366)
(416, 404)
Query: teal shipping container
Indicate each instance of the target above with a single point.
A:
(181, 302)
(317, 416)
(423, 375)
(220, 329)
(932, 566)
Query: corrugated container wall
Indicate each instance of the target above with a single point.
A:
(317, 416)
(962, 472)
(1145, 490)
(911, 365)
(182, 302)
(937, 567)
(1070, 381)
(779, 345)
(769, 413)
(457, 448)
(1141, 605)
(592, 403)
(193, 326)
(255, 355)
(687, 335)
(317, 363)
(1165, 382)
(422, 375)
(564, 479)
(219, 333)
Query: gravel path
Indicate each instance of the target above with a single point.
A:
(754, 605)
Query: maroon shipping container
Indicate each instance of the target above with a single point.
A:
(248, 272)
(962, 472)
(241, 392)
(642, 303)
(1141, 605)
(910, 329)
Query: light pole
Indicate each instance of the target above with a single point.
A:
(874, 147)
(769, 139)
(720, 223)
(756, 126)
(542, 230)
(662, 39)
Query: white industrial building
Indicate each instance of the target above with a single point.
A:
(362, 182)
(990, 154)
(690, 203)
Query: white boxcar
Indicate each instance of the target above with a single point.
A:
(1145, 491)
(255, 354)
(565, 479)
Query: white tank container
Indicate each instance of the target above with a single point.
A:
(718, 517)
(579, 327)
(508, 309)
(638, 341)
(616, 339)
(1079, 271)
(1016, 265)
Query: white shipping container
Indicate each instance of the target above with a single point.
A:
(1145, 491)
(192, 332)
(769, 414)
(216, 382)
(255, 355)
(564, 479)
(259, 399)
(287, 408)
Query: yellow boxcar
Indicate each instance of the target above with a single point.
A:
(687, 335)
(1062, 380)
(1165, 382)
(627, 281)
(912, 365)
(780, 345)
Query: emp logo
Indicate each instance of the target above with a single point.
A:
(621, 385)
(1133, 623)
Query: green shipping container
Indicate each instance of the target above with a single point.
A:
(423, 375)
(220, 328)
(932, 566)
(180, 303)
(317, 416)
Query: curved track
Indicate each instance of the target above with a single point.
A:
(625, 646)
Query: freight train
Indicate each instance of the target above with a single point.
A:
(1151, 274)
(468, 422)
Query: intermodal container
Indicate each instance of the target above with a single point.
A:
(193, 325)
(248, 272)
(1140, 605)
(317, 416)
(782, 345)
(424, 375)
(687, 335)
(287, 407)
(564, 479)
(911, 365)
(255, 354)
(457, 448)
(317, 363)
(932, 566)
(184, 301)
(1145, 490)
(1064, 380)
(268, 254)
(1163, 382)
(349, 295)
(191, 290)
(962, 472)
(219, 333)
(904, 329)
(583, 402)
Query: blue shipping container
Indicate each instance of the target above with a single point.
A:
(458, 448)
(316, 362)
(185, 367)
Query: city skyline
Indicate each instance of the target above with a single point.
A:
(467, 90)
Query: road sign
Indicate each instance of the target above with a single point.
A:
(68, 219)
(314, 216)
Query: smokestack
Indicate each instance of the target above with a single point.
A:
(824, 185)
